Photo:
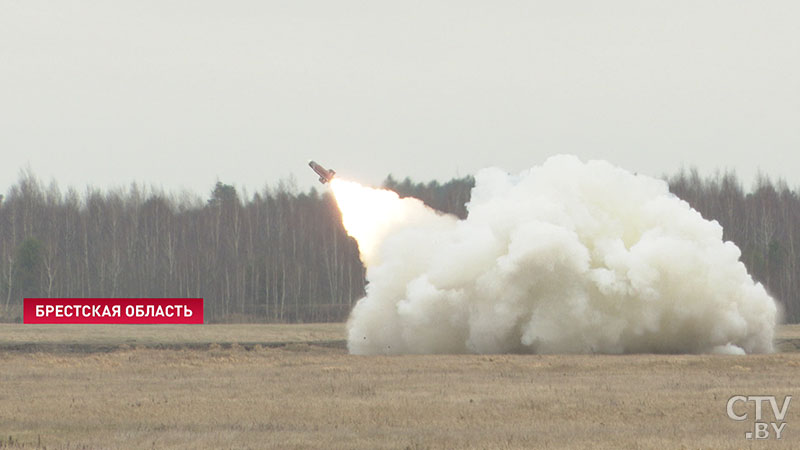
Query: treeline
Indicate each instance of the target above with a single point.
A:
(277, 256)
(282, 256)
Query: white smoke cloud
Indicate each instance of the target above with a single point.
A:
(567, 257)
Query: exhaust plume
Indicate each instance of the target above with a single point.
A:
(567, 257)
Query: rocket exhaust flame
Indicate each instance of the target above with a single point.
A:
(366, 214)
(567, 257)
(369, 215)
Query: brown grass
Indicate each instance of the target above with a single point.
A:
(312, 396)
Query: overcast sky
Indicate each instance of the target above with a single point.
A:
(179, 94)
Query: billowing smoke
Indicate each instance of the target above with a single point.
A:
(567, 257)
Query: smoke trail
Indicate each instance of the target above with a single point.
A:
(565, 257)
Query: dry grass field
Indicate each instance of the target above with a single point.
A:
(294, 386)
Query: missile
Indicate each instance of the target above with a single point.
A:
(325, 175)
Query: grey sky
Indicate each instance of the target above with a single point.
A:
(180, 93)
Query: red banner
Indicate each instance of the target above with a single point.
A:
(114, 310)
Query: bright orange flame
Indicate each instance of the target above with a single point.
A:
(367, 214)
